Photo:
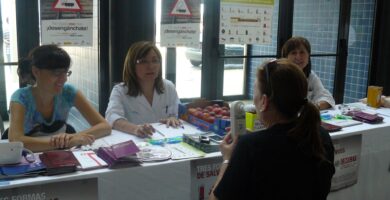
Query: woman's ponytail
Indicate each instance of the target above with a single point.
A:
(25, 73)
(307, 132)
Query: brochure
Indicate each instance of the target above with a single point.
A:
(89, 160)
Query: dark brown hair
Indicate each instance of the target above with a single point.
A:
(138, 51)
(295, 43)
(43, 57)
(286, 87)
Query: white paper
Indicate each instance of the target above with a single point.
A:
(183, 151)
(162, 131)
(88, 160)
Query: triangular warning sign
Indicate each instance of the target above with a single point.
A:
(67, 5)
(180, 8)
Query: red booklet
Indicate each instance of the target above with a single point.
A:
(330, 127)
(59, 162)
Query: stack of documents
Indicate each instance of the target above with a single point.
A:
(89, 160)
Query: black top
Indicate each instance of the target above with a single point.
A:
(269, 165)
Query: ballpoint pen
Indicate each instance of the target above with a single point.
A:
(160, 133)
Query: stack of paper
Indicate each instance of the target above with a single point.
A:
(88, 160)
(343, 122)
(183, 150)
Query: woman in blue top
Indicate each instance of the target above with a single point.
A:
(42, 108)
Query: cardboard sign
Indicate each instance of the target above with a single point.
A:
(346, 161)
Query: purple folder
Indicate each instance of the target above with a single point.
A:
(120, 155)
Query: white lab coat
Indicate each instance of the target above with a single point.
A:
(137, 110)
(317, 92)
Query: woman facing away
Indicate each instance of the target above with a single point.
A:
(292, 158)
(297, 50)
(143, 97)
(38, 112)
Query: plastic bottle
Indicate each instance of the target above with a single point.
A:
(237, 118)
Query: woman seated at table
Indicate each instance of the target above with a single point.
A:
(292, 158)
(297, 50)
(143, 97)
(38, 112)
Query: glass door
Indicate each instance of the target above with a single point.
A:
(318, 22)
(188, 62)
(9, 80)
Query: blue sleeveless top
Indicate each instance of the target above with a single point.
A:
(63, 102)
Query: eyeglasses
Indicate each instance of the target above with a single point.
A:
(271, 64)
(145, 62)
(60, 72)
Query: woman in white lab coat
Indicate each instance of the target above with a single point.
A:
(297, 50)
(144, 96)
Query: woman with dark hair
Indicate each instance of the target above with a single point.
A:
(144, 96)
(39, 111)
(297, 50)
(292, 158)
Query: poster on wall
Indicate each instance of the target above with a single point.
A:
(66, 22)
(180, 23)
(245, 21)
(346, 161)
(204, 173)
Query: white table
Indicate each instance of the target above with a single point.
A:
(172, 180)
(374, 176)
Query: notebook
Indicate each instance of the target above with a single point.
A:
(343, 122)
(23, 169)
(59, 162)
(330, 127)
(120, 155)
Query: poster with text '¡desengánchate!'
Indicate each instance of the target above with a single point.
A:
(67, 22)
(180, 23)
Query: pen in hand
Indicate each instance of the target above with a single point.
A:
(160, 133)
